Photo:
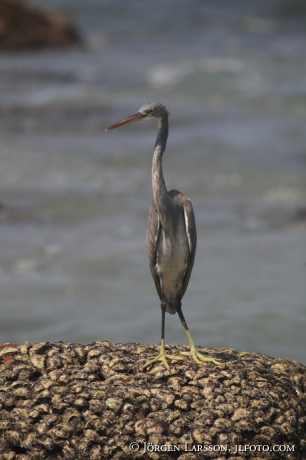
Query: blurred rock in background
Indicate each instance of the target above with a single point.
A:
(29, 27)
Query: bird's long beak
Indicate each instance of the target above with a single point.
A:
(131, 119)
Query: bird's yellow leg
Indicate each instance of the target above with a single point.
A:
(198, 357)
(163, 356)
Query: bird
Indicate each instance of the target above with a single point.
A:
(171, 236)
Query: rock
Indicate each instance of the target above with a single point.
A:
(68, 401)
(28, 27)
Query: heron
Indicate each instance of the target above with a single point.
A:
(171, 236)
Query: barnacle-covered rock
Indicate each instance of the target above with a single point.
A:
(64, 401)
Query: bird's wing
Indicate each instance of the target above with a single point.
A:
(153, 230)
(191, 232)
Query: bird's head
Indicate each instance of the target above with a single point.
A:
(154, 110)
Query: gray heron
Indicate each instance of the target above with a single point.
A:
(171, 236)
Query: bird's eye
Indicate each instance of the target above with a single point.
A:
(151, 111)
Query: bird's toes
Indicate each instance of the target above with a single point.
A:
(163, 358)
(208, 360)
(199, 358)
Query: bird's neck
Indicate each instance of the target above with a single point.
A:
(160, 193)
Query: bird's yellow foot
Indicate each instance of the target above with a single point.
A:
(199, 358)
(163, 356)
(196, 356)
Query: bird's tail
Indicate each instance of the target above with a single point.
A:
(172, 307)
